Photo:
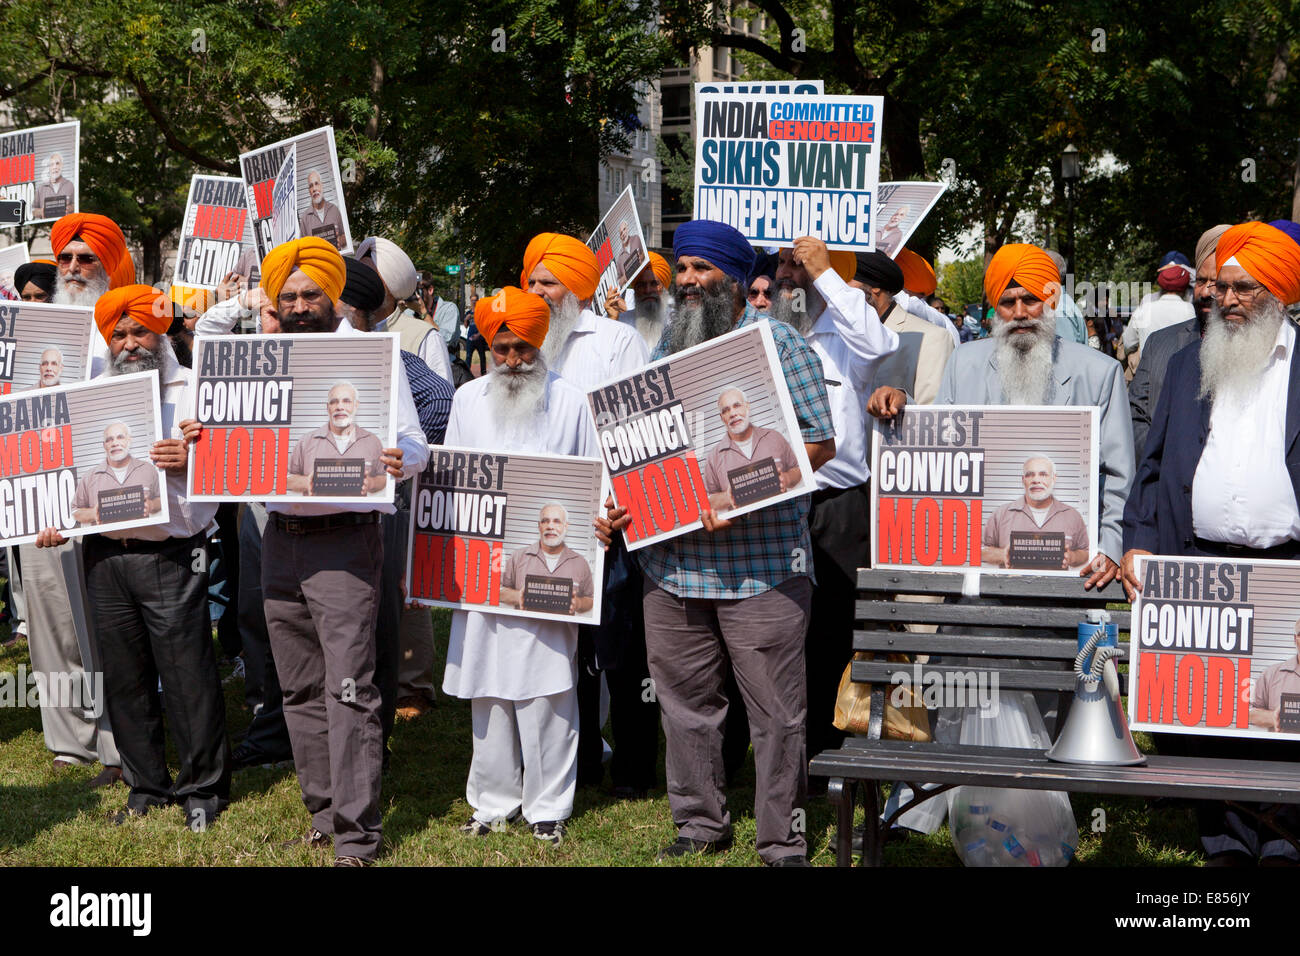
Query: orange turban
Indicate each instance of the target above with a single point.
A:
(1270, 256)
(1030, 267)
(105, 240)
(569, 260)
(144, 303)
(918, 276)
(314, 256)
(844, 264)
(662, 270)
(526, 314)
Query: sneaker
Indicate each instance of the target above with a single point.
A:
(685, 846)
(352, 861)
(476, 828)
(237, 672)
(550, 831)
(313, 838)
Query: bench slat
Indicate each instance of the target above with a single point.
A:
(1030, 587)
(880, 672)
(1008, 616)
(911, 642)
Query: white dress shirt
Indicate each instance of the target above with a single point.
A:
(848, 337)
(185, 518)
(599, 349)
(1242, 491)
(221, 317)
(924, 310)
(410, 439)
(492, 655)
(1153, 315)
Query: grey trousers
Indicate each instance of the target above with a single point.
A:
(688, 642)
(322, 599)
(415, 669)
(60, 642)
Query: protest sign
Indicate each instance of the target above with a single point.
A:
(777, 166)
(796, 87)
(507, 533)
(317, 185)
(216, 239)
(1213, 648)
(900, 207)
(11, 257)
(284, 200)
(709, 428)
(76, 458)
(44, 344)
(294, 417)
(39, 167)
(619, 245)
(1006, 489)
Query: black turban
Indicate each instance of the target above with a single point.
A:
(363, 289)
(877, 269)
(40, 273)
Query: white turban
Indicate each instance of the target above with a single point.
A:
(395, 266)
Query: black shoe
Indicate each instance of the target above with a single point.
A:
(107, 777)
(312, 839)
(795, 859)
(685, 846)
(246, 756)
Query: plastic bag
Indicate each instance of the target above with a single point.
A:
(997, 827)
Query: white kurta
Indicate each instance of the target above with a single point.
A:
(600, 349)
(513, 658)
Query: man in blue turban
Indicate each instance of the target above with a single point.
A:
(733, 591)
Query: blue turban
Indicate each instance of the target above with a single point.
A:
(1292, 229)
(721, 244)
(1174, 258)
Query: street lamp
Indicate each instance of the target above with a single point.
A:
(1069, 176)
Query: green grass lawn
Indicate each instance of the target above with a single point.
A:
(50, 818)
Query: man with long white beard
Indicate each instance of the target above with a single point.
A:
(733, 592)
(1220, 475)
(92, 259)
(586, 351)
(518, 674)
(1025, 363)
(653, 309)
(840, 323)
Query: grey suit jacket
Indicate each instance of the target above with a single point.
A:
(1149, 378)
(1082, 376)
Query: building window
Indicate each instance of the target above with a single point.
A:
(609, 181)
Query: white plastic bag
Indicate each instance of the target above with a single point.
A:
(996, 827)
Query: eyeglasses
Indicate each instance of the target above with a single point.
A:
(287, 299)
(1244, 291)
(83, 258)
(1204, 282)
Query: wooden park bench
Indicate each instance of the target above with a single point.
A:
(1030, 619)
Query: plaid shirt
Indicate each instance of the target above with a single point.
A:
(765, 547)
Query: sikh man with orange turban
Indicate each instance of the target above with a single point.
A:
(653, 302)
(517, 673)
(92, 258)
(148, 604)
(1024, 362)
(1220, 478)
(321, 570)
(580, 346)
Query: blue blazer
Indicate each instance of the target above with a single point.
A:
(1158, 516)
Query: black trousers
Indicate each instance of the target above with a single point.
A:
(388, 628)
(228, 624)
(267, 733)
(149, 611)
(840, 523)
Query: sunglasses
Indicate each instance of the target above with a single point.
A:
(83, 258)
(755, 293)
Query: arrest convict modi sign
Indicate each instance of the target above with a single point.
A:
(507, 533)
(1006, 489)
(777, 166)
(1213, 647)
(76, 458)
(301, 417)
(710, 428)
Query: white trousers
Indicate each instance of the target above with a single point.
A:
(525, 757)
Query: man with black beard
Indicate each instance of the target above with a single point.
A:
(733, 591)
(321, 570)
(841, 324)
(1025, 363)
(1220, 476)
(519, 674)
(1163, 344)
(587, 350)
(149, 604)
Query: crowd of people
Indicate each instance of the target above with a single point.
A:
(741, 639)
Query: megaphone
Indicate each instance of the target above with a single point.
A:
(1096, 730)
